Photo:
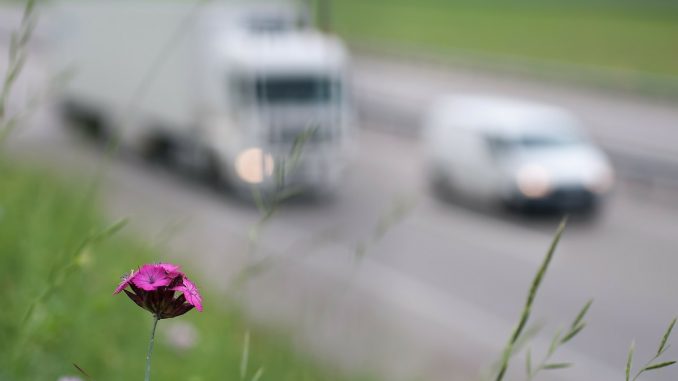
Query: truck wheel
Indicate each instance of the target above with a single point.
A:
(214, 174)
(85, 120)
(159, 149)
(439, 184)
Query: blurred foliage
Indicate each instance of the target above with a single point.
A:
(636, 35)
(42, 222)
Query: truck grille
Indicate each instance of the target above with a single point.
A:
(279, 134)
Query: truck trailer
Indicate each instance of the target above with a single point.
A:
(229, 88)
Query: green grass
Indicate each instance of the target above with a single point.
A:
(42, 220)
(629, 35)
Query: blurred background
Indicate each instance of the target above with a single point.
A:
(365, 186)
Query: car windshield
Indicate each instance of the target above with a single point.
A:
(506, 145)
(273, 24)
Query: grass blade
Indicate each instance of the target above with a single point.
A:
(82, 371)
(572, 333)
(659, 365)
(554, 343)
(109, 231)
(577, 321)
(558, 365)
(525, 315)
(258, 374)
(629, 360)
(245, 356)
(665, 339)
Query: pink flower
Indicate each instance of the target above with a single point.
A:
(191, 293)
(171, 269)
(150, 277)
(125, 280)
(154, 286)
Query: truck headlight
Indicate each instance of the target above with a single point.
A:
(253, 165)
(533, 181)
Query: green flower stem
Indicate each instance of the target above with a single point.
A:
(150, 349)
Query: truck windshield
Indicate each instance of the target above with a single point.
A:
(300, 89)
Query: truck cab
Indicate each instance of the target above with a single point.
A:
(281, 91)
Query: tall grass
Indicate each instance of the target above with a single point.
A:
(16, 61)
(520, 336)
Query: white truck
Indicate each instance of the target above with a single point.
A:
(230, 87)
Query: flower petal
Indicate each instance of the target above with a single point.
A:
(151, 277)
(192, 294)
(126, 279)
(170, 268)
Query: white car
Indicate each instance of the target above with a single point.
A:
(520, 153)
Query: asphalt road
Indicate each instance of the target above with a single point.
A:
(438, 294)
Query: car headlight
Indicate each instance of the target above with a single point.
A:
(533, 181)
(253, 165)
